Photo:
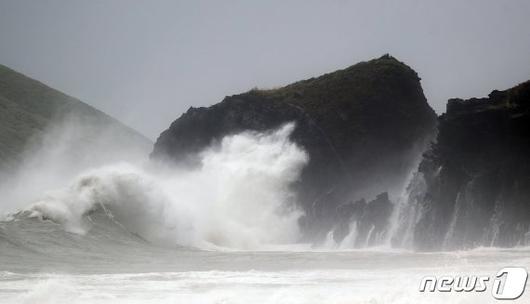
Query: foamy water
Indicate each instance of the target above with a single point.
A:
(266, 277)
(239, 197)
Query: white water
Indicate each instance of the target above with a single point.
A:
(239, 196)
(367, 277)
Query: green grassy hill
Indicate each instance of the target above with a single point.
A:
(29, 108)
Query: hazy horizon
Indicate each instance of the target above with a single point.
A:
(146, 63)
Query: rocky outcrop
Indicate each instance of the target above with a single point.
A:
(477, 175)
(361, 127)
(368, 221)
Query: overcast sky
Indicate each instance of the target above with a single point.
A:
(146, 62)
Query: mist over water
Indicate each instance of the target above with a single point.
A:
(238, 197)
(55, 156)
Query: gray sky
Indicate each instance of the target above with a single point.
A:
(145, 62)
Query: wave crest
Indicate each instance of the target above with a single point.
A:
(239, 197)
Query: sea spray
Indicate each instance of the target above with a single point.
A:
(64, 149)
(239, 197)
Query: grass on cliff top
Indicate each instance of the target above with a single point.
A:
(362, 75)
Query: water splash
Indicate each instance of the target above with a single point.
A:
(240, 196)
(408, 211)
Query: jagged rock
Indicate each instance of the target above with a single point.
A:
(361, 126)
(478, 174)
(346, 214)
(370, 220)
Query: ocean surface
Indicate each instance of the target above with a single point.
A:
(42, 263)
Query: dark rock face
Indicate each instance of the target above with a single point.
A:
(478, 174)
(361, 127)
(370, 220)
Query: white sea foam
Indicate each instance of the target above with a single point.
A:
(377, 286)
(239, 196)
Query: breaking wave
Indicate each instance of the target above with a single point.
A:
(239, 196)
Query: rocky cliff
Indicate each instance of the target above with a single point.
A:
(362, 128)
(477, 174)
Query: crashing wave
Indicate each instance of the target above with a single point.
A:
(239, 197)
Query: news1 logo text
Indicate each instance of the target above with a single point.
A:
(508, 284)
